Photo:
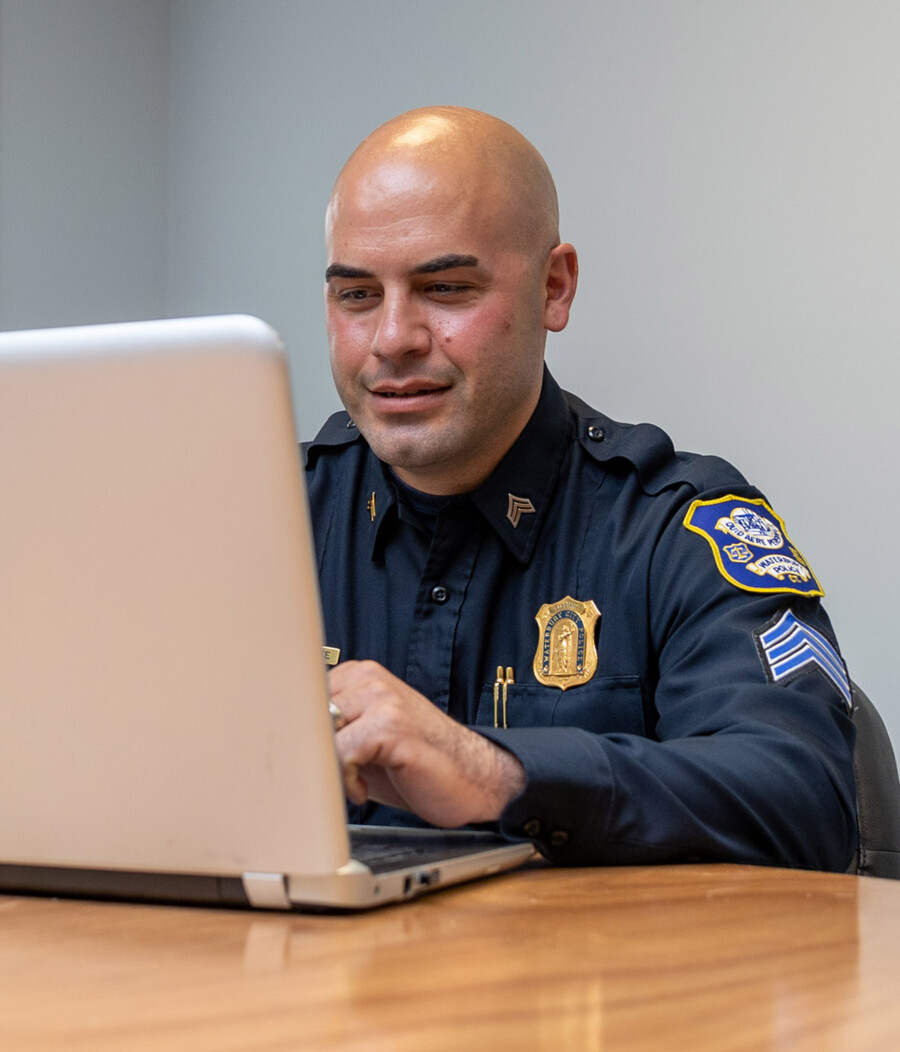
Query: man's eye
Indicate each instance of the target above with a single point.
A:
(352, 297)
(444, 288)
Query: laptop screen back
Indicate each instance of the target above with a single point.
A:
(162, 690)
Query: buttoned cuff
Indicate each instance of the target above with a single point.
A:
(565, 806)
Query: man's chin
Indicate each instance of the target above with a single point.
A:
(402, 459)
(412, 453)
(402, 441)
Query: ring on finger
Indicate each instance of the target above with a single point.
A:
(338, 719)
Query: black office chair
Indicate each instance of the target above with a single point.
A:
(877, 793)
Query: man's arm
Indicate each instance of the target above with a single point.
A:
(735, 795)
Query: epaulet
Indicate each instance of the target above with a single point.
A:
(338, 430)
(649, 450)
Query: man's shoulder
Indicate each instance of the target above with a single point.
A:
(337, 436)
(647, 451)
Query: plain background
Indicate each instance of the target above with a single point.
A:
(728, 169)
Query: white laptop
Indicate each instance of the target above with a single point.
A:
(163, 698)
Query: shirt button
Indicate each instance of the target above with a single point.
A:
(595, 434)
(559, 838)
(439, 594)
(532, 827)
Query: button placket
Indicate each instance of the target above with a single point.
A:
(441, 593)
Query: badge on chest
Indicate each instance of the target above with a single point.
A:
(566, 654)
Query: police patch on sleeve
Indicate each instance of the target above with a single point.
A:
(750, 545)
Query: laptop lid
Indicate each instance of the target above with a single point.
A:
(162, 687)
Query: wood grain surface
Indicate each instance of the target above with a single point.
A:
(670, 957)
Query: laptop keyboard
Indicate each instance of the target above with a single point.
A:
(384, 848)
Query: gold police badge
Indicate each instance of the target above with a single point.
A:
(566, 653)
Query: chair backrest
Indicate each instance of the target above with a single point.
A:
(877, 793)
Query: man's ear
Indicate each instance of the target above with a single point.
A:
(561, 270)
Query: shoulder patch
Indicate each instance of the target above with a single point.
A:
(751, 546)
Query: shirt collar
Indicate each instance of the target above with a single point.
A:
(380, 491)
(516, 497)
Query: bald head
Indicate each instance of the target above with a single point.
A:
(444, 276)
(466, 156)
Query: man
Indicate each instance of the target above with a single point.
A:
(546, 620)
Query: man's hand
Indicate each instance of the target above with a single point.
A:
(401, 750)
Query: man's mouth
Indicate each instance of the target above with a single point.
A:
(412, 398)
(411, 393)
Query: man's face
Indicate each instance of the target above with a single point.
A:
(435, 322)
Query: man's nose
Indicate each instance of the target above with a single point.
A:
(402, 327)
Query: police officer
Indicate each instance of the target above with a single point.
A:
(547, 621)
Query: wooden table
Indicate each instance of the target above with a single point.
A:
(675, 957)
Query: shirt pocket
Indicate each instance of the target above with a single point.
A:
(604, 705)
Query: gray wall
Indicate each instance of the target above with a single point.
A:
(728, 170)
(83, 121)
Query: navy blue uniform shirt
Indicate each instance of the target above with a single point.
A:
(713, 722)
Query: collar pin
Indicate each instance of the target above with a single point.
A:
(517, 507)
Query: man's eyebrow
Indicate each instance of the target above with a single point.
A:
(448, 262)
(341, 270)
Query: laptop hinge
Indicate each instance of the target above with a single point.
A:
(266, 891)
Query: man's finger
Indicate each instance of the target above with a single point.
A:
(355, 786)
